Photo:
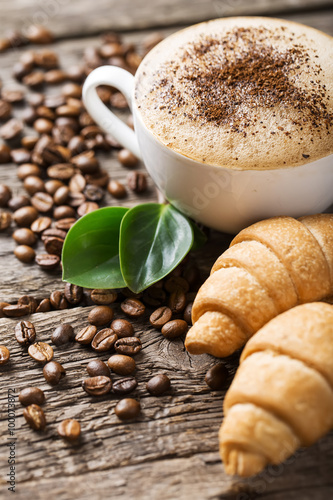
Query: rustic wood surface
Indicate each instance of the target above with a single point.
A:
(171, 452)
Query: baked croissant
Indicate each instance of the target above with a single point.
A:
(282, 395)
(269, 268)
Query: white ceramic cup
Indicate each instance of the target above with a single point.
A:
(221, 198)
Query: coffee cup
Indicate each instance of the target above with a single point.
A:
(273, 148)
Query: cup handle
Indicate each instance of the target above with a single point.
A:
(106, 119)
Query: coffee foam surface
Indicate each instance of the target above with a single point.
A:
(243, 93)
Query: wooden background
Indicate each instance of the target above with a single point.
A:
(171, 452)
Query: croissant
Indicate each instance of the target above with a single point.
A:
(282, 395)
(269, 268)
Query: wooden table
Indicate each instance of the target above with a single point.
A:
(171, 452)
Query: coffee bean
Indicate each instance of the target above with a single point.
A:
(137, 182)
(100, 315)
(87, 207)
(25, 236)
(52, 186)
(67, 111)
(133, 307)
(104, 340)
(103, 297)
(154, 296)
(31, 302)
(5, 110)
(127, 409)
(69, 429)
(63, 212)
(216, 377)
(128, 346)
(121, 364)
(76, 199)
(4, 154)
(46, 59)
(53, 233)
(97, 367)
(43, 126)
(58, 300)
(188, 313)
(18, 201)
(25, 333)
(29, 115)
(33, 184)
(34, 79)
(122, 328)
(29, 142)
(31, 395)
(53, 245)
(73, 293)
(4, 355)
(41, 352)
(45, 112)
(25, 216)
(124, 386)
(11, 129)
(100, 179)
(72, 90)
(39, 34)
(63, 334)
(77, 183)
(117, 189)
(93, 193)
(28, 170)
(43, 202)
(36, 99)
(24, 253)
(86, 162)
(5, 220)
(16, 310)
(12, 96)
(61, 171)
(158, 385)
(76, 145)
(55, 76)
(86, 334)
(97, 386)
(117, 100)
(75, 73)
(174, 283)
(174, 329)
(41, 224)
(35, 417)
(127, 159)
(54, 101)
(177, 301)
(65, 224)
(53, 372)
(44, 306)
(60, 197)
(160, 317)
(20, 156)
(47, 261)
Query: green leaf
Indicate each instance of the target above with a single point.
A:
(199, 237)
(90, 254)
(154, 239)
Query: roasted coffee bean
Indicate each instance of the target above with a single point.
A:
(46, 59)
(4, 355)
(73, 293)
(133, 307)
(33, 184)
(5, 110)
(216, 377)
(154, 296)
(117, 189)
(29, 170)
(93, 193)
(44, 306)
(177, 301)
(77, 184)
(111, 49)
(47, 261)
(11, 129)
(29, 116)
(39, 34)
(137, 182)
(65, 224)
(52, 186)
(41, 224)
(117, 100)
(72, 90)
(53, 372)
(62, 121)
(104, 93)
(100, 315)
(29, 301)
(61, 171)
(103, 297)
(158, 385)
(174, 329)
(18, 201)
(36, 99)
(58, 300)
(43, 202)
(97, 386)
(35, 417)
(62, 134)
(63, 212)
(43, 126)
(86, 208)
(86, 162)
(24, 253)
(91, 132)
(63, 334)
(67, 111)
(45, 112)
(97, 367)
(76, 145)
(76, 199)
(86, 334)
(41, 352)
(31, 395)
(124, 386)
(175, 282)
(104, 340)
(25, 216)
(128, 346)
(25, 236)
(85, 120)
(60, 197)
(160, 317)
(122, 328)
(121, 364)
(75, 74)
(54, 101)
(2, 305)
(53, 245)
(34, 79)
(100, 179)
(55, 76)
(5, 220)
(25, 333)
(127, 409)
(4, 154)
(12, 96)
(29, 142)
(16, 310)
(127, 159)
(188, 313)
(53, 233)
(69, 429)
(20, 156)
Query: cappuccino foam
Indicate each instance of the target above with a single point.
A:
(243, 92)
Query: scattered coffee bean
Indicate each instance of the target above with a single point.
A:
(41, 352)
(127, 409)
(29, 301)
(44, 306)
(46, 59)
(12, 96)
(25, 333)
(58, 300)
(47, 261)
(73, 293)
(39, 34)
(175, 282)
(33, 184)
(158, 385)
(29, 141)
(25, 236)
(53, 372)
(77, 183)
(4, 153)
(154, 296)
(100, 315)
(5, 220)
(24, 253)
(35, 417)
(104, 340)
(86, 208)
(97, 367)
(31, 395)
(63, 334)
(29, 170)
(216, 377)
(160, 317)
(117, 189)
(34, 79)
(137, 182)
(5, 195)
(4, 355)
(43, 202)
(61, 171)
(63, 212)
(128, 346)
(25, 216)
(124, 386)
(65, 224)
(188, 313)
(60, 197)
(41, 224)
(122, 328)
(93, 193)
(177, 301)
(133, 307)
(97, 386)
(16, 310)
(86, 334)
(174, 329)
(53, 245)
(5, 110)
(127, 159)
(103, 297)
(121, 364)
(11, 129)
(19, 201)
(69, 429)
